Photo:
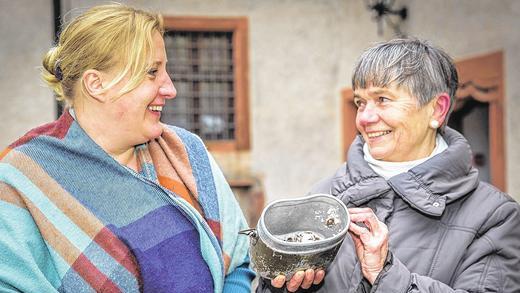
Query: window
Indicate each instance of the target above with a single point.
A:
(208, 65)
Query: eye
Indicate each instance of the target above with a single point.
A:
(383, 99)
(359, 102)
(153, 72)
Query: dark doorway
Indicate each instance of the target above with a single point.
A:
(471, 118)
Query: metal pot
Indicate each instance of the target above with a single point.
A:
(297, 234)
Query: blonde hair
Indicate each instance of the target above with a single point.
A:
(102, 38)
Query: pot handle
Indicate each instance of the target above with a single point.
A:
(252, 233)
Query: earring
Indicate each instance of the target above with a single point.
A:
(434, 124)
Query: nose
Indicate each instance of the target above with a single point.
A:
(167, 89)
(368, 115)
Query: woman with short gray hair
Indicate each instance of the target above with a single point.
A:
(421, 221)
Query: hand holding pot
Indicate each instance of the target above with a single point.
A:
(370, 240)
(299, 279)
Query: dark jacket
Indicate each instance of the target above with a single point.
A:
(448, 232)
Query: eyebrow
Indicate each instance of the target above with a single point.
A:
(379, 91)
(382, 92)
(159, 62)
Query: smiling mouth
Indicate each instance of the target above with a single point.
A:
(378, 133)
(155, 108)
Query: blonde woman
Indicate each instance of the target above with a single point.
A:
(107, 198)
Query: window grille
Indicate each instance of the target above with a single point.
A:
(201, 67)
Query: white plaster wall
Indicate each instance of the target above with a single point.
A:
(301, 55)
(26, 31)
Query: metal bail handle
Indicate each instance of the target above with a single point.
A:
(251, 233)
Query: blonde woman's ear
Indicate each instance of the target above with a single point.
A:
(93, 85)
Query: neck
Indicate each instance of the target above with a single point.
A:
(428, 147)
(104, 136)
(390, 169)
(127, 158)
(422, 150)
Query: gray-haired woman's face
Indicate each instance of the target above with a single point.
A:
(393, 126)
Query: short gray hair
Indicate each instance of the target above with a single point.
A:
(411, 64)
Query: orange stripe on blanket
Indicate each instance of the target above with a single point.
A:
(71, 208)
(227, 261)
(53, 236)
(4, 152)
(11, 195)
(171, 159)
(181, 190)
(69, 252)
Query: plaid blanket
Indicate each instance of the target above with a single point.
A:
(75, 220)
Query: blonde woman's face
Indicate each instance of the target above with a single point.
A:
(393, 126)
(136, 114)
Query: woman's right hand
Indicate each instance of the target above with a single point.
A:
(299, 279)
(370, 238)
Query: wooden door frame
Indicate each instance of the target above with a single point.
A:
(480, 77)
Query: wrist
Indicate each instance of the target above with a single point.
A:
(372, 274)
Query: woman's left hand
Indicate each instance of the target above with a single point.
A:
(371, 241)
(303, 279)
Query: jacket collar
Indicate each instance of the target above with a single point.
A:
(427, 187)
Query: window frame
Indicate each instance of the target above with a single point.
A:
(238, 26)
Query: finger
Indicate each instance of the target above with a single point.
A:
(360, 220)
(308, 278)
(319, 275)
(295, 281)
(361, 217)
(377, 229)
(358, 244)
(278, 281)
(359, 210)
(363, 235)
(357, 229)
(369, 219)
(373, 222)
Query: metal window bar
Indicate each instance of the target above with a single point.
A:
(201, 67)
